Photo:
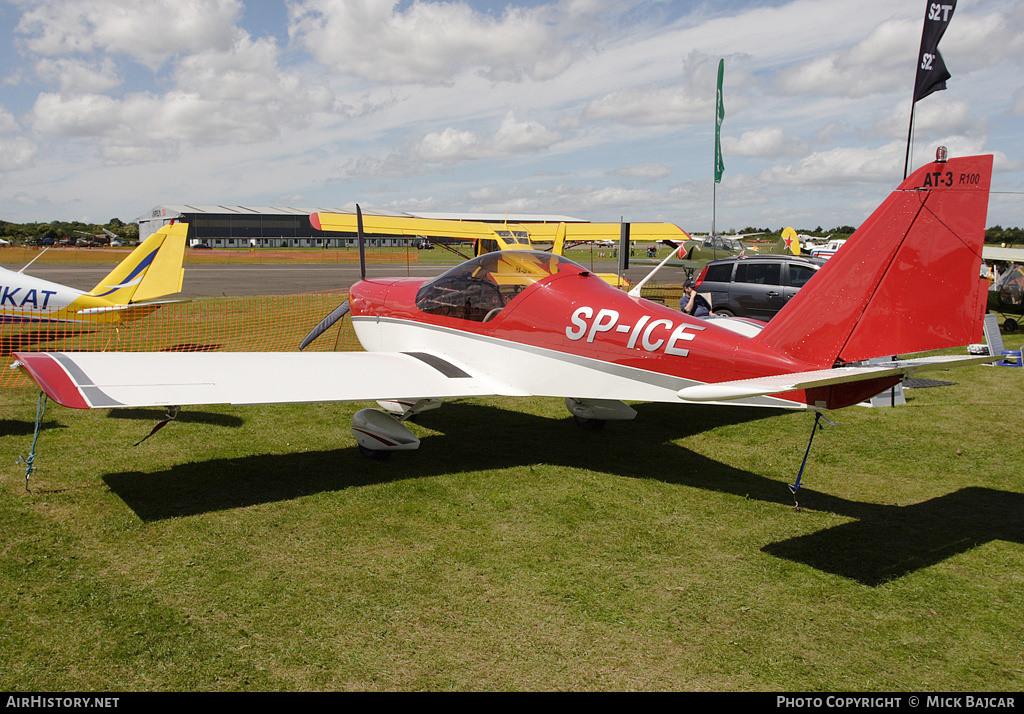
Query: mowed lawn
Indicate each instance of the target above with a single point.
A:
(253, 548)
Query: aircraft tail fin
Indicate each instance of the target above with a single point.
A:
(908, 280)
(152, 270)
(789, 242)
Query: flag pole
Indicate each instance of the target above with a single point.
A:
(910, 134)
(931, 69)
(719, 164)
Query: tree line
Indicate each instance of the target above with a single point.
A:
(56, 231)
(995, 235)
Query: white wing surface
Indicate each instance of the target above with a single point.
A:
(134, 379)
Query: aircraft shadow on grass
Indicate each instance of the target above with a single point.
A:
(17, 427)
(883, 543)
(12, 342)
(185, 417)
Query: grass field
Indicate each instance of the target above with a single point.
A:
(253, 548)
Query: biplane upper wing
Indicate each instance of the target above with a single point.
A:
(402, 226)
(1008, 255)
(606, 231)
(475, 230)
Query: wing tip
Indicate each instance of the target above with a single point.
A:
(52, 378)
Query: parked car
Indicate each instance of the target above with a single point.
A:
(755, 287)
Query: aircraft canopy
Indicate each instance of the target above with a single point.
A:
(479, 288)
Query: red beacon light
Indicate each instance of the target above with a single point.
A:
(941, 154)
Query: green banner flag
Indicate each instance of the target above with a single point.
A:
(719, 116)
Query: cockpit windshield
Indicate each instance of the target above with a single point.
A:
(723, 243)
(479, 288)
(514, 237)
(1010, 284)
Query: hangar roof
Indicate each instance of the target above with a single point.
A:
(172, 210)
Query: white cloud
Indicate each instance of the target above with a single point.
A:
(150, 32)
(939, 113)
(566, 106)
(75, 76)
(1018, 103)
(426, 42)
(224, 86)
(238, 94)
(644, 171)
(516, 137)
(568, 199)
(869, 67)
(7, 122)
(453, 146)
(16, 153)
(770, 142)
(975, 41)
(841, 166)
(145, 127)
(690, 101)
(650, 105)
(879, 62)
(249, 73)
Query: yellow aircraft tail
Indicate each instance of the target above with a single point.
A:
(152, 270)
(789, 242)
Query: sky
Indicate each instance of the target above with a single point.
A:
(603, 110)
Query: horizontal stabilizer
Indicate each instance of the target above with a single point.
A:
(762, 386)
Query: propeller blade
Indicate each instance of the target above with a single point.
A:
(362, 243)
(342, 309)
(325, 324)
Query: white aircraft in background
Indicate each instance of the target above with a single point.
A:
(152, 270)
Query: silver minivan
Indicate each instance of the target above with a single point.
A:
(756, 286)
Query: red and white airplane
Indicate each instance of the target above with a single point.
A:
(529, 324)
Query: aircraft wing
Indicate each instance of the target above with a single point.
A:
(475, 230)
(403, 226)
(85, 380)
(760, 386)
(605, 231)
(1010, 255)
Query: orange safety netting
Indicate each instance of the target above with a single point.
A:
(275, 323)
(263, 323)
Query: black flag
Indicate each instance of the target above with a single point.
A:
(931, 70)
